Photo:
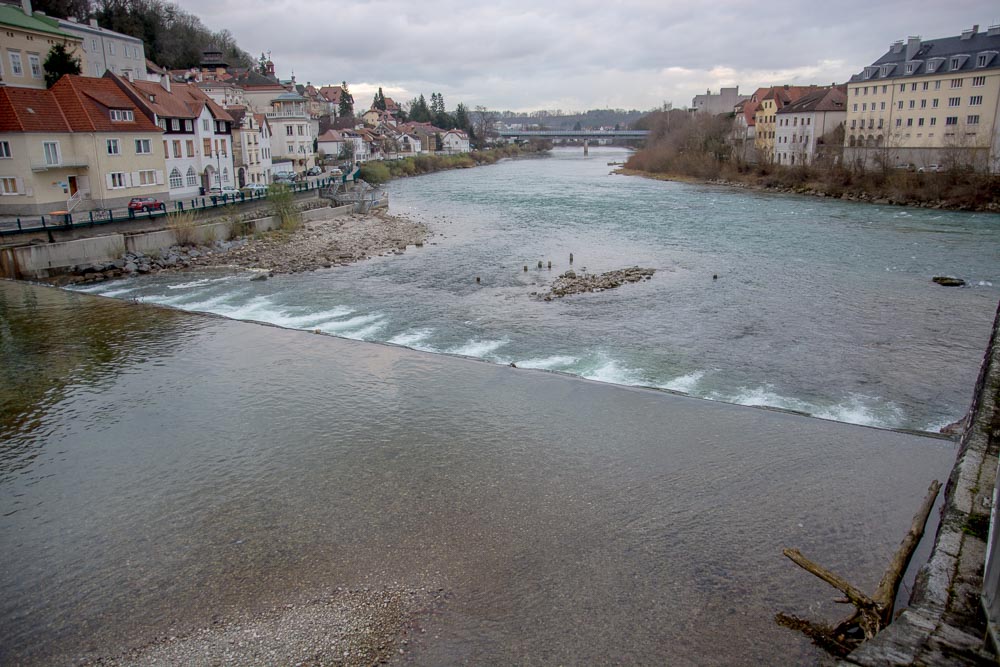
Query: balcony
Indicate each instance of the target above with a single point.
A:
(64, 163)
(287, 114)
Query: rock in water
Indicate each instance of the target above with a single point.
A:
(571, 283)
(948, 281)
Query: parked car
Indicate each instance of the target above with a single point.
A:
(146, 204)
(314, 171)
(907, 166)
(931, 167)
(255, 188)
(225, 190)
(285, 177)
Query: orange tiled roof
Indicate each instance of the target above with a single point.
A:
(86, 103)
(30, 110)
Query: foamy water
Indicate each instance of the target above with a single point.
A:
(819, 307)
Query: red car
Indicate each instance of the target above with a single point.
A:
(145, 204)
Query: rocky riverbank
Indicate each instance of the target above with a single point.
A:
(334, 241)
(572, 282)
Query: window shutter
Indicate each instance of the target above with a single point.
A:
(107, 177)
(159, 177)
(19, 185)
(133, 179)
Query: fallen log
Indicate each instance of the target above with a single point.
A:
(873, 613)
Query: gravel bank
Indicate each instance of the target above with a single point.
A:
(339, 627)
(321, 244)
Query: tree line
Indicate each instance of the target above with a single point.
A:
(173, 38)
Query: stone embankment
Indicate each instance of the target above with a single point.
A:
(572, 282)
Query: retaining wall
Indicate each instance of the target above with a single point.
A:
(45, 259)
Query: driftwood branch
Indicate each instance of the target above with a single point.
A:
(871, 613)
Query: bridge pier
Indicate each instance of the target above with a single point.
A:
(586, 147)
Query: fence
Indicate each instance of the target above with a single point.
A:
(65, 221)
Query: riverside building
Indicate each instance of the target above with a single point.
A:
(928, 103)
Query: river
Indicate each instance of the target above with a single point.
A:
(161, 469)
(823, 307)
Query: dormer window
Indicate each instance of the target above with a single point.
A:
(122, 115)
(912, 66)
(933, 64)
(870, 72)
(886, 70)
(152, 98)
(984, 59)
(957, 62)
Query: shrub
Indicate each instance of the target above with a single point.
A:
(181, 223)
(283, 207)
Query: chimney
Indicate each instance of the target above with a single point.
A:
(93, 23)
(897, 46)
(993, 30)
(968, 34)
(165, 82)
(26, 7)
(912, 46)
(128, 75)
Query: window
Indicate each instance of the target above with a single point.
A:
(52, 155)
(902, 87)
(15, 64)
(111, 48)
(36, 65)
(225, 151)
(225, 174)
(955, 63)
(933, 122)
(177, 147)
(93, 44)
(975, 100)
(913, 86)
(302, 130)
(175, 178)
(927, 85)
(291, 148)
(289, 130)
(972, 120)
(8, 185)
(122, 115)
(899, 121)
(934, 103)
(188, 125)
(125, 50)
(142, 147)
(204, 125)
(113, 147)
(978, 81)
(920, 122)
(189, 146)
(899, 105)
(882, 106)
(880, 122)
(885, 89)
(956, 83)
(909, 122)
(981, 60)
(913, 103)
(951, 120)
(147, 177)
(954, 101)
(192, 177)
(116, 180)
(175, 124)
(923, 104)
(4, 149)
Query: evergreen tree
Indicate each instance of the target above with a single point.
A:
(441, 118)
(419, 111)
(346, 106)
(461, 117)
(379, 102)
(59, 62)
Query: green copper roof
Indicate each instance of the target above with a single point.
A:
(14, 17)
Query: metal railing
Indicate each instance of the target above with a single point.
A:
(69, 220)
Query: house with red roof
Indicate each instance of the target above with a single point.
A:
(197, 133)
(82, 144)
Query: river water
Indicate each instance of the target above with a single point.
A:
(160, 470)
(823, 307)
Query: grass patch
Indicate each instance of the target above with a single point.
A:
(181, 223)
(283, 207)
(977, 525)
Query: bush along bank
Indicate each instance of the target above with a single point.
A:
(377, 173)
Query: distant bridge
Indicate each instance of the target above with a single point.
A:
(575, 134)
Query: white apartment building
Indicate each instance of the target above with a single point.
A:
(293, 131)
(800, 124)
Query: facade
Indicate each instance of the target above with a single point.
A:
(455, 141)
(251, 147)
(766, 116)
(802, 123)
(107, 50)
(331, 143)
(293, 130)
(928, 102)
(27, 38)
(197, 134)
(333, 95)
(80, 145)
(724, 102)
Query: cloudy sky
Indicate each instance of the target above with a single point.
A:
(578, 54)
